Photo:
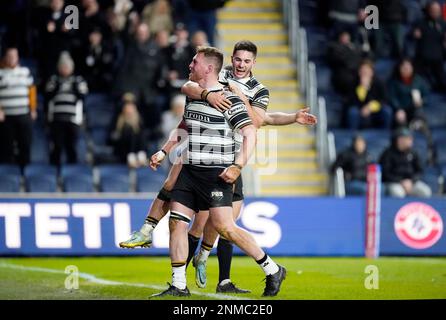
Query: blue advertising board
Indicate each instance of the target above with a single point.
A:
(282, 226)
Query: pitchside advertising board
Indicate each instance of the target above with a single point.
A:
(283, 226)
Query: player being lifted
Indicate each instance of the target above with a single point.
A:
(256, 97)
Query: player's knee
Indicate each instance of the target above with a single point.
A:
(226, 230)
(178, 221)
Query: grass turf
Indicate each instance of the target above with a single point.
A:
(139, 277)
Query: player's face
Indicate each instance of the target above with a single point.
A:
(242, 63)
(197, 67)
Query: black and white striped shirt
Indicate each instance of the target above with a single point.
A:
(257, 93)
(65, 99)
(14, 90)
(211, 133)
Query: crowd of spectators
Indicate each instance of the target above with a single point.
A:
(410, 42)
(130, 54)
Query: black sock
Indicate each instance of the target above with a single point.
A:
(224, 254)
(193, 244)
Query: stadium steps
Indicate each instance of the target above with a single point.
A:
(285, 158)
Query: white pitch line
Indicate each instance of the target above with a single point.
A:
(92, 278)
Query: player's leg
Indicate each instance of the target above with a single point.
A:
(223, 222)
(224, 254)
(196, 232)
(180, 217)
(158, 209)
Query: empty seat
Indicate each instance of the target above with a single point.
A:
(384, 69)
(40, 178)
(80, 183)
(77, 178)
(114, 178)
(431, 176)
(10, 178)
(148, 180)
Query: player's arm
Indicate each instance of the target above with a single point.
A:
(240, 121)
(175, 137)
(302, 117)
(231, 173)
(215, 99)
(257, 115)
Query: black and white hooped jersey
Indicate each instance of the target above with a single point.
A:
(211, 132)
(256, 92)
(14, 90)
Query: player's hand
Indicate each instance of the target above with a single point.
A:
(230, 174)
(156, 159)
(304, 117)
(219, 101)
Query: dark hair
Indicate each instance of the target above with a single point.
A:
(396, 70)
(214, 54)
(247, 46)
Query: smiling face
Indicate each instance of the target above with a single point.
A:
(198, 67)
(242, 63)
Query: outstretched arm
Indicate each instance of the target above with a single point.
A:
(280, 118)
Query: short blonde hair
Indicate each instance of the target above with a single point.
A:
(213, 54)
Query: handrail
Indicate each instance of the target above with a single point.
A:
(337, 181)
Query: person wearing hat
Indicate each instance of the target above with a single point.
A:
(64, 95)
(402, 168)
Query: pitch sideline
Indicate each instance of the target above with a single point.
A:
(92, 278)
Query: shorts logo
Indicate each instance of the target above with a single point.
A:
(418, 225)
(216, 195)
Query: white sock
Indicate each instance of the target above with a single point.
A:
(179, 277)
(225, 281)
(203, 254)
(146, 228)
(269, 266)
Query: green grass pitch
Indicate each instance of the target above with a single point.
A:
(139, 277)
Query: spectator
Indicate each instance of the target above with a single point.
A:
(203, 16)
(172, 117)
(391, 19)
(407, 92)
(93, 17)
(367, 108)
(430, 36)
(344, 58)
(141, 73)
(199, 38)
(53, 37)
(180, 54)
(346, 15)
(354, 162)
(64, 95)
(128, 138)
(157, 15)
(97, 66)
(402, 169)
(15, 115)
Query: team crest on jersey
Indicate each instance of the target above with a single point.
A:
(418, 225)
(216, 195)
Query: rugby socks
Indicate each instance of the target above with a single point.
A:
(148, 226)
(204, 252)
(193, 244)
(224, 254)
(268, 265)
(179, 275)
